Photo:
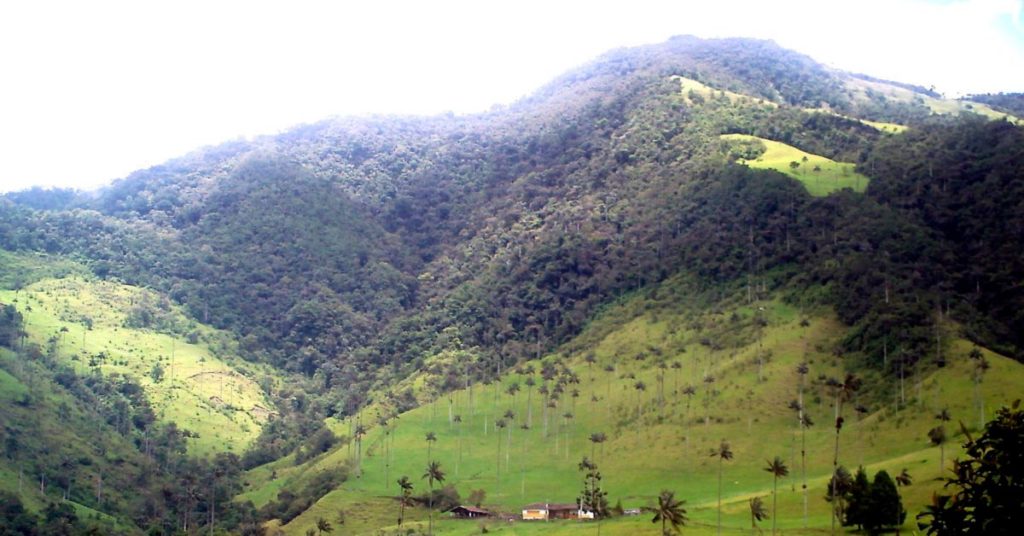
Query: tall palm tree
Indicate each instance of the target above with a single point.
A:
(595, 438)
(805, 423)
(457, 419)
(509, 417)
(709, 380)
(676, 367)
(322, 526)
(640, 388)
(757, 512)
(434, 474)
(943, 416)
(689, 391)
(778, 469)
(802, 370)
(669, 511)
(359, 433)
(530, 382)
(430, 438)
(723, 453)
(500, 425)
(406, 487)
(902, 479)
(513, 390)
(843, 392)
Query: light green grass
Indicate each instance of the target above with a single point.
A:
(860, 87)
(203, 391)
(640, 460)
(821, 176)
(688, 85)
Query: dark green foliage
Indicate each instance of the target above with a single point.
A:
(1011, 103)
(11, 325)
(291, 502)
(872, 506)
(987, 485)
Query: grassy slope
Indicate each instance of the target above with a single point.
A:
(687, 85)
(940, 106)
(639, 461)
(832, 175)
(204, 391)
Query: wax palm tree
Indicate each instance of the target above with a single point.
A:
(669, 511)
(406, 487)
(939, 436)
(509, 417)
(803, 422)
(902, 479)
(689, 391)
(640, 388)
(457, 419)
(843, 392)
(709, 380)
(757, 512)
(500, 425)
(513, 390)
(778, 469)
(322, 526)
(676, 367)
(434, 474)
(723, 453)
(430, 439)
(530, 382)
(359, 433)
(595, 438)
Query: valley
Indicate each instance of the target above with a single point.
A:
(682, 266)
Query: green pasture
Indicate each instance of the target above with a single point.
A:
(201, 387)
(821, 176)
(663, 444)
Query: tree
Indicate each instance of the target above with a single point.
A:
(592, 498)
(669, 512)
(843, 391)
(723, 453)
(838, 490)
(803, 422)
(778, 469)
(757, 512)
(500, 425)
(433, 474)
(595, 439)
(937, 437)
(884, 507)
(406, 487)
(431, 439)
(322, 526)
(857, 500)
(988, 484)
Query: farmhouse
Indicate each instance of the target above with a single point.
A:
(469, 512)
(546, 511)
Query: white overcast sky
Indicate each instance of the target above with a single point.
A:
(92, 90)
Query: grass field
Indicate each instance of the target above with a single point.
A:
(821, 176)
(860, 88)
(667, 446)
(203, 388)
(688, 85)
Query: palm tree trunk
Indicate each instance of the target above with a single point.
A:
(775, 502)
(719, 496)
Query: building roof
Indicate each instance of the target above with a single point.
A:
(472, 509)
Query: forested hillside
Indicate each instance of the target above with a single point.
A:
(354, 254)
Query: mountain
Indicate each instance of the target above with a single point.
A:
(385, 262)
